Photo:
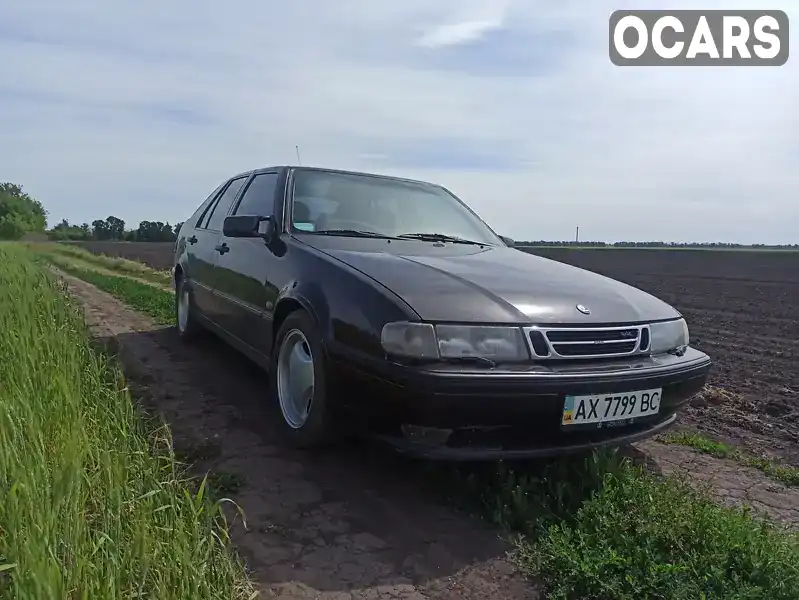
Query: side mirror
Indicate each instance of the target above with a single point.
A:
(508, 241)
(248, 226)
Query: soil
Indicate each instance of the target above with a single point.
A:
(156, 254)
(353, 522)
(349, 523)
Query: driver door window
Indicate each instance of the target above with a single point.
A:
(259, 197)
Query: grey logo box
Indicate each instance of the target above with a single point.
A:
(766, 43)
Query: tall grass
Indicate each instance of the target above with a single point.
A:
(92, 504)
(153, 301)
(119, 265)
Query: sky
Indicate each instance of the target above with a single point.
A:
(140, 109)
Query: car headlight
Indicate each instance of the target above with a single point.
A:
(668, 336)
(423, 340)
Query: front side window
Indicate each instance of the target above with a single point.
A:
(328, 201)
(259, 197)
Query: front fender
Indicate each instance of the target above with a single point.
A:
(309, 296)
(349, 307)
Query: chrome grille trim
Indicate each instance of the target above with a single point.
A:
(587, 342)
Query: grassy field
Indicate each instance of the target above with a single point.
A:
(601, 529)
(64, 253)
(93, 504)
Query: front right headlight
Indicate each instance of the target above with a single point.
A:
(423, 340)
(669, 336)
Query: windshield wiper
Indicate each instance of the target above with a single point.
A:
(353, 233)
(438, 237)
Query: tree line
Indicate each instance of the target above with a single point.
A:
(113, 229)
(20, 214)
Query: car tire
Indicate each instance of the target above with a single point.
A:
(297, 362)
(188, 327)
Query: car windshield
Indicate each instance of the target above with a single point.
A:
(369, 206)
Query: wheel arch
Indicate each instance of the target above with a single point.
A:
(300, 297)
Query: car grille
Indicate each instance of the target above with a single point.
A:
(583, 342)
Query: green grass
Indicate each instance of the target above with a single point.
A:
(92, 502)
(606, 529)
(154, 302)
(122, 266)
(783, 473)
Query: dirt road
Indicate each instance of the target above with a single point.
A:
(349, 524)
(352, 523)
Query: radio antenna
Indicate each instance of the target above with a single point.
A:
(297, 148)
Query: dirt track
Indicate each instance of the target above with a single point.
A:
(354, 522)
(348, 524)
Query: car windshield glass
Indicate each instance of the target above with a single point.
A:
(325, 201)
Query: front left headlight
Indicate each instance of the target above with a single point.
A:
(669, 336)
(423, 340)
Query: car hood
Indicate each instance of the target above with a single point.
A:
(500, 285)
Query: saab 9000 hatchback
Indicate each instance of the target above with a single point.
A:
(386, 305)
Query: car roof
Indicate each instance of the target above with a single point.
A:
(280, 168)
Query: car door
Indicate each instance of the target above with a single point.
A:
(200, 255)
(245, 295)
(204, 252)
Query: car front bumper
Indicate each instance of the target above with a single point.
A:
(509, 412)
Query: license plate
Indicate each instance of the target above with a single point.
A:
(596, 409)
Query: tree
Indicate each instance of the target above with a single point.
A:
(100, 230)
(116, 227)
(112, 228)
(19, 213)
(154, 231)
(65, 231)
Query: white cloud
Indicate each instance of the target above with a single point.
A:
(139, 109)
(472, 21)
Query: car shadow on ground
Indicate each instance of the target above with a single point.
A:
(389, 517)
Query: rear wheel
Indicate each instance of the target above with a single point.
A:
(187, 325)
(298, 385)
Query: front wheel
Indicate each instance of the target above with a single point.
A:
(298, 386)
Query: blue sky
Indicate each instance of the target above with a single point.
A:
(139, 109)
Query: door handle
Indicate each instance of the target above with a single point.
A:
(222, 248)
(192, 240)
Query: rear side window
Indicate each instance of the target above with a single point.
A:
(222, 206)
(202, 211)
(259, 197)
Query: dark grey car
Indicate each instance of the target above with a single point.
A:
(387, 306)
